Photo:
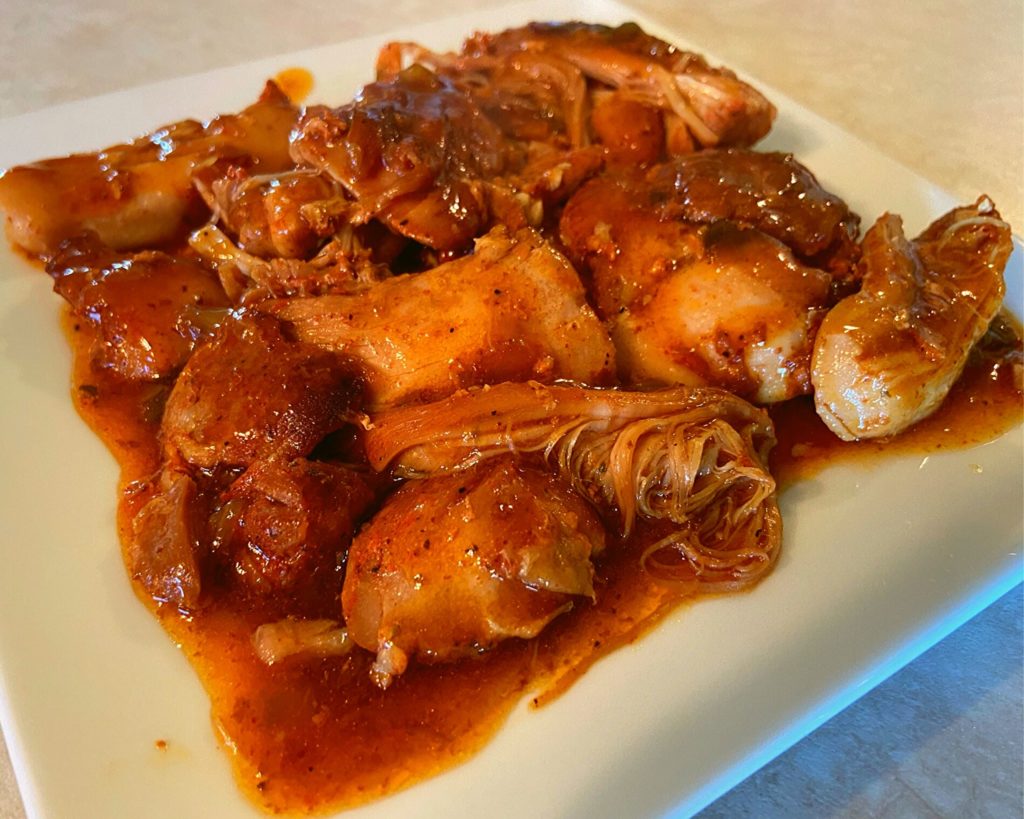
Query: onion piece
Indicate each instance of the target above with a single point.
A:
(277, 641)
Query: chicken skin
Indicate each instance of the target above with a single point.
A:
(452, 565)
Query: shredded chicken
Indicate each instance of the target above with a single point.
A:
(694, 457)
(451, 566)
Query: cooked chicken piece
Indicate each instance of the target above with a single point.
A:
(629, 230)
(162, 555)
(444, 145)
(536, 81)
(742, 316)
(538, 104)
(139, 303)
(768, 191)
(887, 356)
(140, 194)
(281, 528)
(620, 243)
(513, 310)
(631, 132)
(534, 98)
(716, 106)
(692, 463)
(414, 151)
(451, 566)
(251, 394)
(340, 267)
(286, 215)
(286, 525)
(694, 293)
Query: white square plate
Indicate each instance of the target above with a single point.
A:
(877, 564)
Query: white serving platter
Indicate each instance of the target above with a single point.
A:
(878, 564)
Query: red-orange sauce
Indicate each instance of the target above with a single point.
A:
(296, 83)
(317, 735)
(311, 736)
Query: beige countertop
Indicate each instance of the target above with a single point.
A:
(937, 85)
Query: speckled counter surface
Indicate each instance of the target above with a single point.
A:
(937, 85)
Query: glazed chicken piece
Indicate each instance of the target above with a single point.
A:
(140, 305)
(282, 215)
(287, 524)
(539, 104)
(661, 92)
(441, 571)
(443, 146)
(451, 566)
(250, 394)
(140, 194)
(513, 310)
(772, 192)
(413, 151)
(689, 464)
(162, 554)
(535, 98)
(716, 107)
(281, 528)
(343, 265)
(887, 356)
(630, 229)
(707, 268)
(743, 316)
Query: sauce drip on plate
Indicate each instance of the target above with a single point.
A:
(296, 83)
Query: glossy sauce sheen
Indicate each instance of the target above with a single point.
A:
(315, 735)
(295, 82)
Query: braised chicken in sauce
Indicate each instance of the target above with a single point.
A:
(450, 567)
(887, 356)
(141, 194)
(714, 268)
(429, 399)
